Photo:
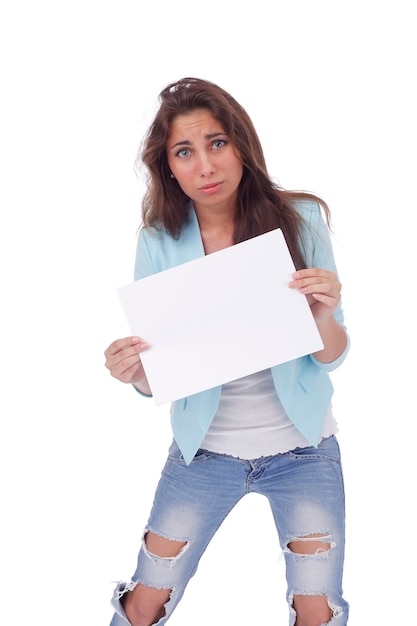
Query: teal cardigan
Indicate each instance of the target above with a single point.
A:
(303, 385)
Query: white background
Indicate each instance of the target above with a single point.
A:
(330, 87)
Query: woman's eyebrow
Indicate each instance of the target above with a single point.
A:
(184, 142)
(213, 135)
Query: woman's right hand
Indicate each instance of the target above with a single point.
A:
(124, 363)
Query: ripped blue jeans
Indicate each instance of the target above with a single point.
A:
(305, 490)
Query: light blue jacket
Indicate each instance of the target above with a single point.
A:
(303, 385)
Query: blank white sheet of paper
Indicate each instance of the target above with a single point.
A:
(220, 317)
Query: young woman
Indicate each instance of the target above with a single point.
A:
(272, 432)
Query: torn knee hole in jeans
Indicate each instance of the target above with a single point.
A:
(161, 595)
(161, 548)
(295, 599)
(316, 544)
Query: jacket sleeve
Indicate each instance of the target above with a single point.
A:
(319, 253)
(144, 265)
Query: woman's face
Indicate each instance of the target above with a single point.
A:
(206, 165)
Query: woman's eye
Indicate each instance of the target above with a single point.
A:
(183, 153)
(219, 143)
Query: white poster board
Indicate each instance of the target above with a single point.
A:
(220, 317)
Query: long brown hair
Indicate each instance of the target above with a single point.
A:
(261, 205)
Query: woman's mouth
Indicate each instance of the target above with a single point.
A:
(210, 188)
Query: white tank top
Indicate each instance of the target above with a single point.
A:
(251, 422)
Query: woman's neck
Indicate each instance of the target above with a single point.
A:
(216, 231)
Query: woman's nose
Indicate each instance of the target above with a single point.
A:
(206, 165)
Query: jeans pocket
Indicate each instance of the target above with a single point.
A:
(327, 450)
(175, 455)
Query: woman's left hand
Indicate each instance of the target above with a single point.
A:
(321, 288)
